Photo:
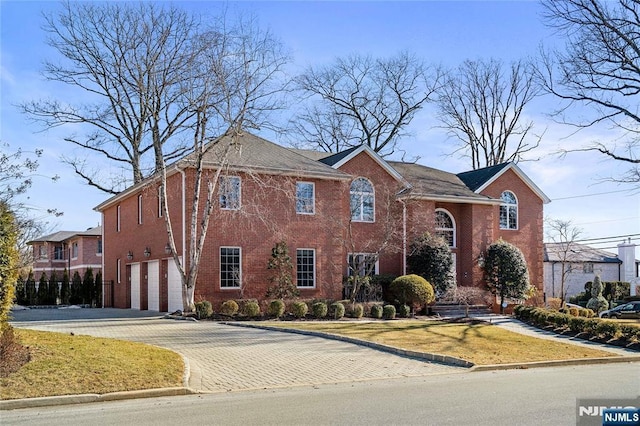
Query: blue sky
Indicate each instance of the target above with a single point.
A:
(316, 32)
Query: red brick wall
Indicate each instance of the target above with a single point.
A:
(529, 235)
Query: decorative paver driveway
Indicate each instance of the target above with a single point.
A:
(224, 358)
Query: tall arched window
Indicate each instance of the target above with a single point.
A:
(446, 227)
(508, 211)
(362, 199)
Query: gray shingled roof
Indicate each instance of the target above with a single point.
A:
(578, 253)
(474, 179)
(60, 236)
(256, 153)
(427, 181)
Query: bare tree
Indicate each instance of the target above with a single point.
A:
(232, 86)
(563, 236)
(129, 65)
(361, 100)
(481, 104)
(599, 68)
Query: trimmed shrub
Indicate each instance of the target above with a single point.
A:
(376, 311)
(608, 329)
(412, 290)
(229, 308)
(388, 312)
(356, 311)
(404, 311)
(299, 309)
(319, 310)
(251, 309)
(590, 325)
(597, 302)
(337, 310)
(564, 310)
(554, 303)
(276, 308)
(573, 311)
(576, 324)
(630, 332)
(204, 309)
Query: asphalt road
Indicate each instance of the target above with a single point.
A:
(543, 396)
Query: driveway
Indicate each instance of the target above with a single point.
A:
(227, 358)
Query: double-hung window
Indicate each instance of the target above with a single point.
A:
(306, 268)
(305, 198)
(230, 267)
(229, 192)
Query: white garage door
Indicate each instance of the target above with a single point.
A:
(175, 287)
(153, 285)
(135, 286)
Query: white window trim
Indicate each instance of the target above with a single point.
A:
(503, 204)
(313, 199)
(239, 192)
(373, 202)
(315, 276)
(453, 222)
(77, 247)
(118, 271)
(376, 268)
(220, 267)
(118, 218)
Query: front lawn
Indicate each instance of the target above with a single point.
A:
(62, 364)
(479, 343)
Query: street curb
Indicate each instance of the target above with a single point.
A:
(48, 401)
(423, 356)
(558, 363)
(445, 359)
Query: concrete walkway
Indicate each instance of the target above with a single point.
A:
(226, 358)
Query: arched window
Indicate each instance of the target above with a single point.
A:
(508, 211)
(362, 200)
(446, 227)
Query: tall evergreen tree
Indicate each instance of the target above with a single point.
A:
(53, 291)
(76, 289)
(506, 271)
(8, 261)
(43, 290)
(98, 289)
(281, 273)
(64, 289)
(31, 289)
(430, 257)
(88, 287)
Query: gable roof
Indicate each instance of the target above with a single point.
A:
(339, 159)
(61, 236)
(578, 253)
(427, 182)
(478, 180)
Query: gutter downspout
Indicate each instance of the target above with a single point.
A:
(404, 237)
(102, 261)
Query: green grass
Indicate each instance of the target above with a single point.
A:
(62, 364)
(481, 344)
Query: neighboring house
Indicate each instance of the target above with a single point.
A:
(583, 263)
(70, 250)
(333, 211)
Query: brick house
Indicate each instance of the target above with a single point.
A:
(330, 209)
(70, 250)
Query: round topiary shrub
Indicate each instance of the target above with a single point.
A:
(319, 310)
(252, 309)
(204, 309)
(388, 312)
(412, 290)
(376, 311)
(229, 308)
(574, 311)
(337, 310)
(404, 311)
(276, 308)
(597, 303)
(576, 324)
(299, 309)
(357, 310)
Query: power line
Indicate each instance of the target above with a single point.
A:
(590, 195)
(609, 238)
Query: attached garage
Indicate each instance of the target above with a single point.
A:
(153, 285)
(135, 286)
(175, 287)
